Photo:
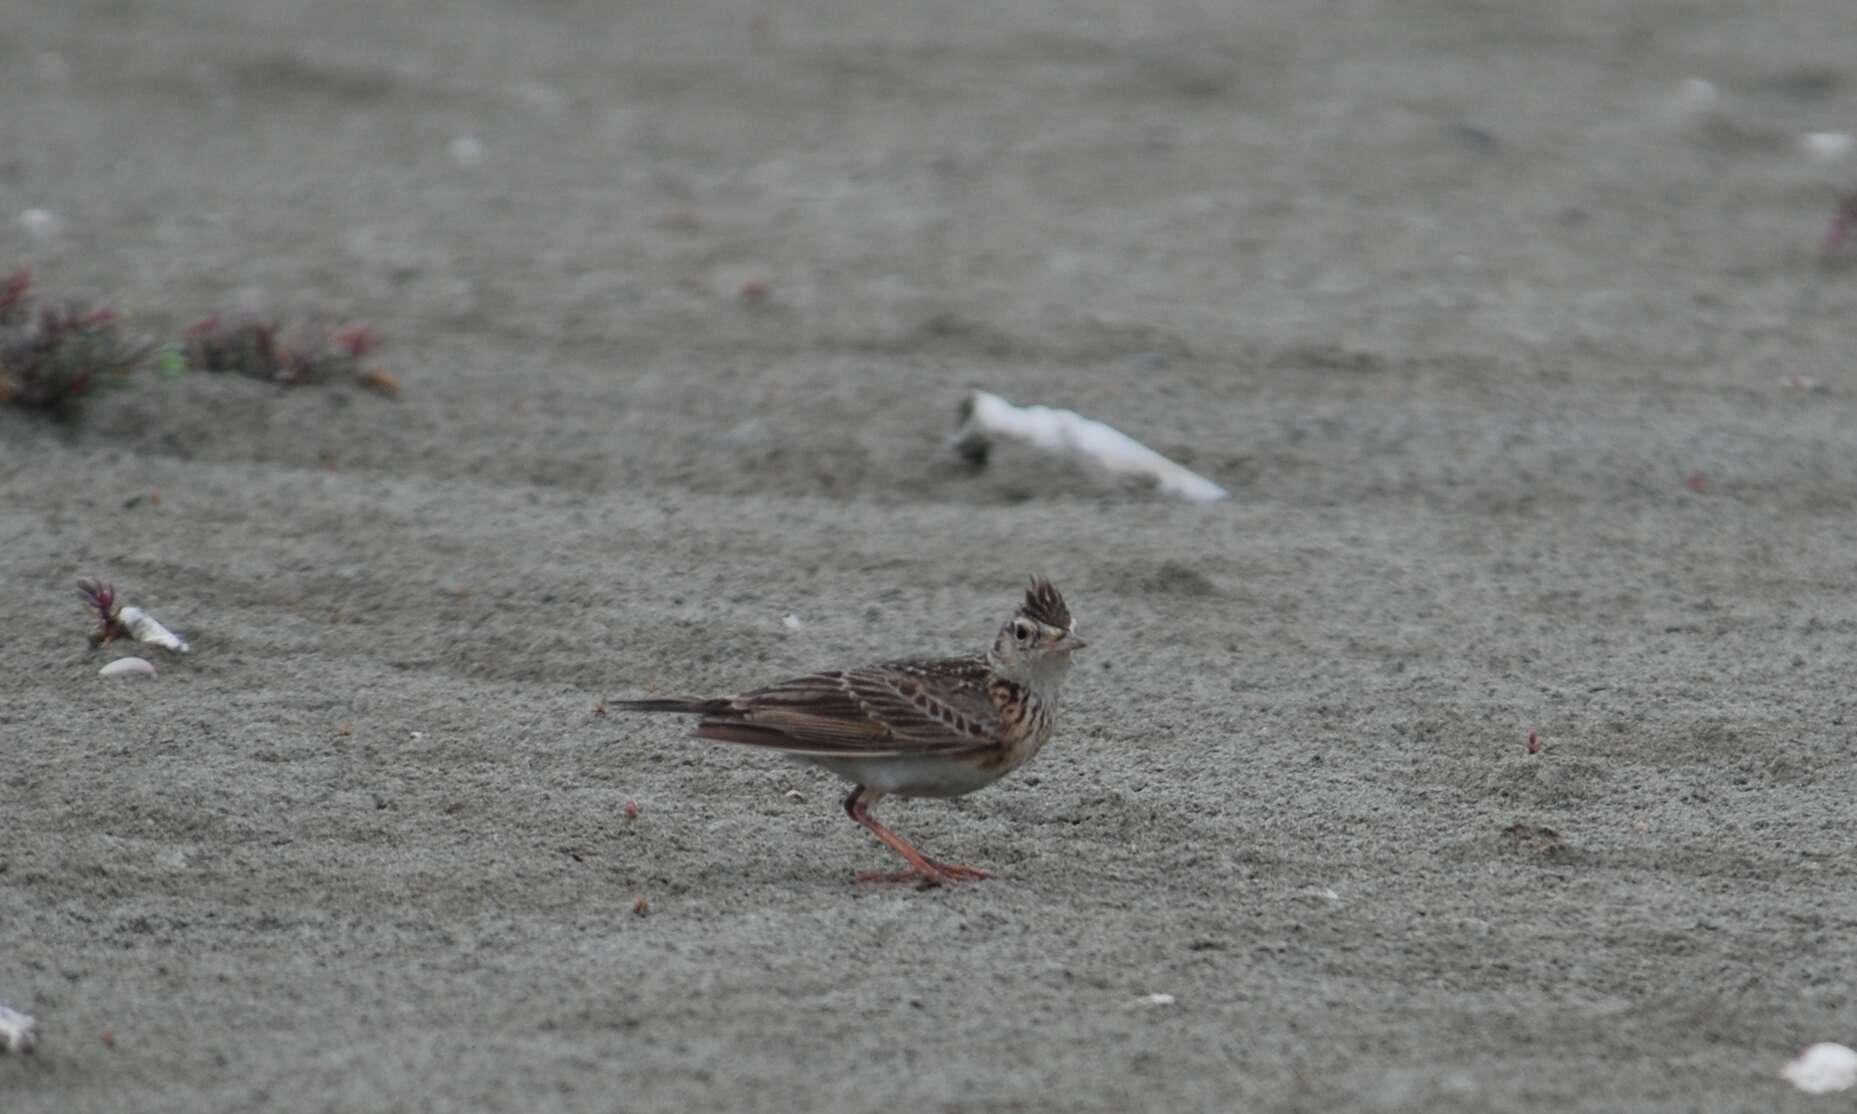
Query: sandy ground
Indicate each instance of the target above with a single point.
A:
(1484, 329)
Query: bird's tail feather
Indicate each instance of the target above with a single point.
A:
(679, 706)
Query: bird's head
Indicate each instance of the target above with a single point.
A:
(1035, 645)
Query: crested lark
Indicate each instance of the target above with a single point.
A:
(917, 728)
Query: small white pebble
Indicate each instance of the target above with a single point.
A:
(1158, 1000)
(127, 667)
(466, 151)
(541, 98)
(1827, 147)
(40, 223)
(19, 1032)
(417, 735)
(1822, 1068)
(1694, 97)
(792, 622)
(750, 432)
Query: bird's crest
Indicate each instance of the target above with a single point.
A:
(1043, 604)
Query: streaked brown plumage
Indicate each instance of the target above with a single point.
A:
(913, 728)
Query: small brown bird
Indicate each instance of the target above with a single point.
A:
(917, 728)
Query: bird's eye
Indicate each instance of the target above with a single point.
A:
(1025, 632)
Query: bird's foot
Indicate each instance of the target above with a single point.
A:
(938, 874)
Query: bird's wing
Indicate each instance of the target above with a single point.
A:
(889, 710)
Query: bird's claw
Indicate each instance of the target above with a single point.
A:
(939, 874)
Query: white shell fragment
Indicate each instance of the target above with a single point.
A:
(467, 151)
(19, 1032)
(792, 622)
(1694, 98)
(1157, 999)
(1826, 147)
(127, 667)
(1822, 1068)
(1068, 432)
(143, 627)
(41, 224)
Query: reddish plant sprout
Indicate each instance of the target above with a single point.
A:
(356, 339)
(52, 355)
(1843, 219)
(248, 347)
(14, 291)
(1534, 743)
(102, 599)
(291, 354)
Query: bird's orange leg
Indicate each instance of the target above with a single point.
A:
(926, 870)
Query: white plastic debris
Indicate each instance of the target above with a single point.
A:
(1829, 148)
(792, 622)
(19, 1032)
(143, 628)
(466, 151)
(1157, 999)
(1822, 1068)
(127, 667)
(987, 415)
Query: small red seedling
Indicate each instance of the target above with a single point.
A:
(102, 599)
(53, 354)
(631, 810)
(288, 353)
(356, 339)
(1534, 743)
(13, 291)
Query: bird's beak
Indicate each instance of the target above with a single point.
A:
(1070, 643)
